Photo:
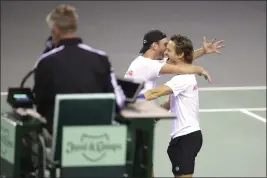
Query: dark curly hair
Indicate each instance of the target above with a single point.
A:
(184, 45)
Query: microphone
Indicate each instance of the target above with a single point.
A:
(21, 97)
(26, 77)
(49, 45)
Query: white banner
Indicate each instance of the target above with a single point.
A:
(94, 146)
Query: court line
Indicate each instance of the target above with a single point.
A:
(218, 88)
(255, 116)
(233, 88)
(232, 109)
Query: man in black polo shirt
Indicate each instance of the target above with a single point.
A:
(71, 66)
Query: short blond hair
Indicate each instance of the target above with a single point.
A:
(65, 17)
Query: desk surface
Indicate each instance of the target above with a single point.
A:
(145, 109)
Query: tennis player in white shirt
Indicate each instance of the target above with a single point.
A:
(147, 66)
(186, 136)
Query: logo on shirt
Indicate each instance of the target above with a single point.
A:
(176, 168)
(129, 73)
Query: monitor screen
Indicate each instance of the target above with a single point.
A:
(130, 88)
(20, 97)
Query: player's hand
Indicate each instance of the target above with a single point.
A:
(213, 46)
(206, 75)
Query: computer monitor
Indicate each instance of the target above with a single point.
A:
(131, 88)
(20, 97)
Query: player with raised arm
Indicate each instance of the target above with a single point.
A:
(186, 136)
(147, 66)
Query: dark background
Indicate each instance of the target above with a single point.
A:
(118, 27)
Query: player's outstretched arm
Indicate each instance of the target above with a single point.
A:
(157, 92)
(208, 47)
(166, 104)
(181, 69)
(198, 53)
(184, 69)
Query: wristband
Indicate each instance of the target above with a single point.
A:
(141, 96)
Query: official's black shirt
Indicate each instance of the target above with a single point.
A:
(72, 67)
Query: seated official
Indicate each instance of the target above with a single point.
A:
(71, 67)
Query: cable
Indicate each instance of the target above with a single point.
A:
(26, 78)
(41, 139)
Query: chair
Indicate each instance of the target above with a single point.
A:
(86, 119)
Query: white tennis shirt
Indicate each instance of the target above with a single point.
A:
(184, 103)
(145, 69)
(184, 100)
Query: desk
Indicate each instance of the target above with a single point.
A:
(140, 117)
(145, 110)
